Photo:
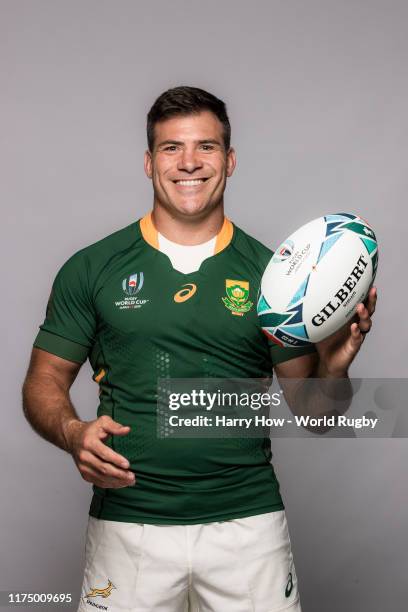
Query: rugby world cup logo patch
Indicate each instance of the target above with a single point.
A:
(133, 283)
(131, 286)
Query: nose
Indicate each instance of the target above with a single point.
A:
(190, 160)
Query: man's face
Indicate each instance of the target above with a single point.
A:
(189, 165)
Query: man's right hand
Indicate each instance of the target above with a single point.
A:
(96, 462)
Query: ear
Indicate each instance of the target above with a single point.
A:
(148, 164)
(231, 161)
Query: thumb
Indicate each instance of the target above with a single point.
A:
(108, 425)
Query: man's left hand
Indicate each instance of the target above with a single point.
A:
(338, 350)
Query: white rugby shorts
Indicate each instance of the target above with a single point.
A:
(240, 565)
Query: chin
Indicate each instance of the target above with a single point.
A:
(193, 209)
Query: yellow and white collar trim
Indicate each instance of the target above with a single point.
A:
(150, 233)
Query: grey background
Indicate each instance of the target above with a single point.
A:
(316, 92)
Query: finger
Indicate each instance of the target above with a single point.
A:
(357, 338)
(91, 475)
(110, 456)
(108, 425)
(371, 300)
(106, 470)
(364, 321)
(92, 441)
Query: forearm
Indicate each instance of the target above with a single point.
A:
(48, 408)
(324, 396)
(318, 394)
(321, 395)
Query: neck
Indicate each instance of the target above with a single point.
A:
(188, 230)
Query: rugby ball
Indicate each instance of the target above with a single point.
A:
(315, 279)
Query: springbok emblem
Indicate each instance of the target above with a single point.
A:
(102, 592)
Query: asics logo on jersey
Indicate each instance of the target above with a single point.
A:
(101, 592)
(185, 293)
(133, 283)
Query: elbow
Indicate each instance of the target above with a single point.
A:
(27, 393)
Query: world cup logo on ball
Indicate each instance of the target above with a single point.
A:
(285, 250)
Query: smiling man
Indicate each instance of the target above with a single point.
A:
(189, 166)
(173, 522)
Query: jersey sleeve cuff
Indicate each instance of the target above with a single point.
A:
(280, 355)
(62, 347)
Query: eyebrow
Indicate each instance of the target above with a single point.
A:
(180, 142)
(209, 141)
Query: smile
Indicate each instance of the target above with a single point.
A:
(190, 182)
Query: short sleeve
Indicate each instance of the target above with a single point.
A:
(280, 354)
(69, 327)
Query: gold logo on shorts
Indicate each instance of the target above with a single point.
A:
(101, 592)
(186, 293)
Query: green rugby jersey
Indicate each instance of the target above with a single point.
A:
(121, 304)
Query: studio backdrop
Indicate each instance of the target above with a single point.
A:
(316, 93)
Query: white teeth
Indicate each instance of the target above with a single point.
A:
(191, 182)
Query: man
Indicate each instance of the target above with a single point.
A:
(173, 520)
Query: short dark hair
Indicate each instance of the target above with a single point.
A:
(186, 100)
